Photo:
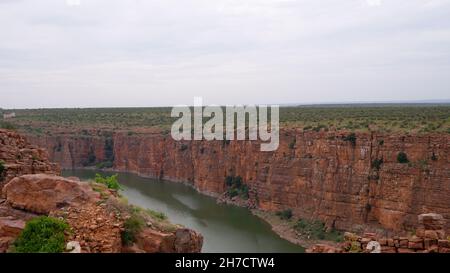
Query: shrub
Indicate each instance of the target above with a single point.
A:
(183, 147)
(42, 235)
(232, 192)
(402, 158)
(132, 226)
(285, 214)
(355, 247)
(229, 181)
(110, 181)
(244, 191)
(351, 138)
(316, 230)
(105, 165)
(7, 125)
(237, 182)
(376, 164)
(236, 186)
(156, 214)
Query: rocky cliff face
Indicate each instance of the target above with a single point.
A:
(20, 157)
(31, 187)
(349, 181)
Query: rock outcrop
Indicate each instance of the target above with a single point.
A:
(10, 228)
(181, 241)
(32, 188)
(19, 157)
(42, 193)
(429, 238)
(349, 181)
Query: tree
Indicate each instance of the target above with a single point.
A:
(402, 158)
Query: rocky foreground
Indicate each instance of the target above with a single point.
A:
(429, 238)
(97, 216)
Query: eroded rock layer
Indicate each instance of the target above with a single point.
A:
(349, 181)
(19, 157)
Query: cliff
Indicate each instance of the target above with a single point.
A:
(349, 181)
(19, 157)
(97, 216)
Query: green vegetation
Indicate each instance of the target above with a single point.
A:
(236, 187)
(183, 147)
(285, 214)
(7, 125)
(156, 214)
(376, 164)
(402, 158)
(42, 235)
(110, 181)
(105, 165)
(316, 230)
(140, 218)
(351, 138)
(132, 227)
(420, 118)
(355, 247)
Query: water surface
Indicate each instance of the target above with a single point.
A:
(225, 228)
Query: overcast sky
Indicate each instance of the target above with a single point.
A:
(82, 53)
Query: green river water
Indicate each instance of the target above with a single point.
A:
(225, 228)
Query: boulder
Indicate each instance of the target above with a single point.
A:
(152, 241)
(11, 227)
(432, 221)
(9, 230)
(43, 193)
(188, 241)
(181, 241)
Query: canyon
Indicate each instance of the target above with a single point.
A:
(31, 187)
(350, 181)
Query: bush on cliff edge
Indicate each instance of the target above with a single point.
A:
(285, 214)
(42, 235)
(110, 181)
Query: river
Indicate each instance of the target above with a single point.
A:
(225, 228)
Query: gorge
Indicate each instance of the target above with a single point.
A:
(225, 228)
(363, 181)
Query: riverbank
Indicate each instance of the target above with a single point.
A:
(286, 230)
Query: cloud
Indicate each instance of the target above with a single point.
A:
(373, 2)
(162, 52)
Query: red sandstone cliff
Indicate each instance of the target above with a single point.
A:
(20, 157)
(30, 187)
(324, 175)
